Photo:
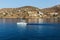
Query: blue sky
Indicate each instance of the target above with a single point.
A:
(20, 3)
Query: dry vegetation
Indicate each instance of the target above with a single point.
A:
(30, 12)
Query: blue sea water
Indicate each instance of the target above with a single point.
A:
(13, 31)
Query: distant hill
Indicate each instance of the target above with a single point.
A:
(21, 12)
(30, 12)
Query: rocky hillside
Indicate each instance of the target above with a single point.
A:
(22, 12)
(52, 11)
(30, 12)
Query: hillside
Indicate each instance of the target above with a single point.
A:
(22, 12)
(52, 11)
(30, 12)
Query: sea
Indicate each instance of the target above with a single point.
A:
(35, 31)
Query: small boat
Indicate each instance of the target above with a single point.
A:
(22, 23)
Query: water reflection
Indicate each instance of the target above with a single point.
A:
(30, 20)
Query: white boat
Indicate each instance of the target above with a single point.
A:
(22, 23)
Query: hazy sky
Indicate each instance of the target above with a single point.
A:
(20, 3)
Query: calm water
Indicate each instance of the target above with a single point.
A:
(13, 31)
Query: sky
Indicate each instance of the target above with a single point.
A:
(35, 3)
